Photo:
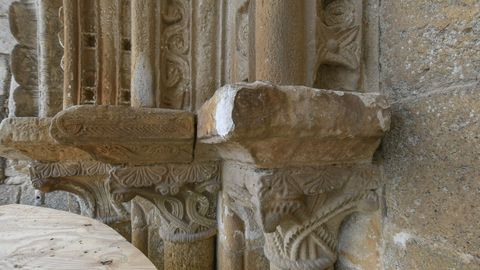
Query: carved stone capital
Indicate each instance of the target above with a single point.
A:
(88, 180)
(300, 159)
(300, 210)
(185, 195)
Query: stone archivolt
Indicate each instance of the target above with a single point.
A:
(139, 107)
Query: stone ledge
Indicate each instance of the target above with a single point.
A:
(125, 135)
(28, 138)
(275, 126)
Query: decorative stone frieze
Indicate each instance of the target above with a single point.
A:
(300, 159)
(296, 160)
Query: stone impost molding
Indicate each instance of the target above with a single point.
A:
(300, 158)
(126, 135)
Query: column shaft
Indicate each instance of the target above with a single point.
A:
(280, 47)
(144, 83)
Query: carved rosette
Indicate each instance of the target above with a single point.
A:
(85, 179)
(185, 195)
(300, 210)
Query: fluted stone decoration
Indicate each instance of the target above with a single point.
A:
(182, 120)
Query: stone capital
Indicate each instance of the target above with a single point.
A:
(88, 181)
(185, 195)
(300, 209)
(300, 159)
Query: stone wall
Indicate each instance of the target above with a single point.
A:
(430, 66)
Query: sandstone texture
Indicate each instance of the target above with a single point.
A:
(433, 178)
(430, 66)
(275, 126)
(426, 45)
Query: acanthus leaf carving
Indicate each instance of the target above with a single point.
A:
(185, 195)
(88, 181)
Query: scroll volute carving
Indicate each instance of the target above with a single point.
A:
(185, 195)
(88, 181)
(339, 44)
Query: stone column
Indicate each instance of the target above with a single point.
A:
(50, 53)
(280, 42)
(71, 61)
(144, 53)
(108, 51)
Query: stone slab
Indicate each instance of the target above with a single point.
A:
(28, 138)
(126, 135)
(276, 126)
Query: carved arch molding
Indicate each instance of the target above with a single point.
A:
(149, 111)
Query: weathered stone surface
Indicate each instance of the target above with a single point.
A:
(433, 180)
(427, 44)
(119, 135)
(275, 126)
(6, 39)
(198, 255)
(9, 194)
(29, 138)
(360, 242)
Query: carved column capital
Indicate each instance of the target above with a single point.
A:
(300, 159)
(185, 195)
(87, 180)
(300, 209)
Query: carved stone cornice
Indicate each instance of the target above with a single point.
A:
(88, 180)
(125, 135)
(185, 195)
